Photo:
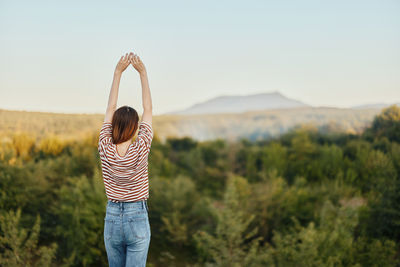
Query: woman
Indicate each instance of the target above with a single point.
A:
(125, 172)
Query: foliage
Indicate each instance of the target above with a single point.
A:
(330, 243)
(19, 249)
(387, 123)
(232, 244)
(80, 213)
(307, 198)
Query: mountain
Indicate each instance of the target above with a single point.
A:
(375, 105)
(240, 104)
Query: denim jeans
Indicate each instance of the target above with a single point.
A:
(127, 233)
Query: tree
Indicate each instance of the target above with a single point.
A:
(387, 123)
(51, 145)
(274, 157)
(232, 244)
(331, 242)
(19, 249)
(80, 214)
(23, 144)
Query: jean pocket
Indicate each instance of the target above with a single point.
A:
(108, 228)
(139, 227)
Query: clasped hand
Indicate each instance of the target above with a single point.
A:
(128, 59)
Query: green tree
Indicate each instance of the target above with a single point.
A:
(330, 160)
(330, 243)
(233, 243)
(387, 123)
(80, 213)
(375, 171)
(274, 156)
(19, 249)
(175, 209)
(301, 153)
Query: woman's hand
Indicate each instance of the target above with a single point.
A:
(123, 63)
(137, 63)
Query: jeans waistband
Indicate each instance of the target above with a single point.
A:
(128, 205)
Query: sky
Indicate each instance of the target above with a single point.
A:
(59, 56)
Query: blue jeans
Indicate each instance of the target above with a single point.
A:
(127, 233)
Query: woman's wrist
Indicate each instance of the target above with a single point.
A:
(143, 73)
(117, 73)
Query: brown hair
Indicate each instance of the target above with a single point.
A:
(124, 124)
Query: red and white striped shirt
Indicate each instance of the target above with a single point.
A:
(125, 177)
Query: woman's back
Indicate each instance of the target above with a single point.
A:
(125, 177)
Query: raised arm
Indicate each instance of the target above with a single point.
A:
(146, 96)
(123, 63)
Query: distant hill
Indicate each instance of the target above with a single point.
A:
(254, 125)
(265, 124)
(375, 105)
(240, 104)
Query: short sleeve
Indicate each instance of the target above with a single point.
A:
(145, 135)
(105, 137)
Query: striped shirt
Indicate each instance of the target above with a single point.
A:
(125, 177)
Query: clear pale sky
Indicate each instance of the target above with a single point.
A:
(60, 56)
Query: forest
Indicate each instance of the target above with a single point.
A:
(305, 198)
